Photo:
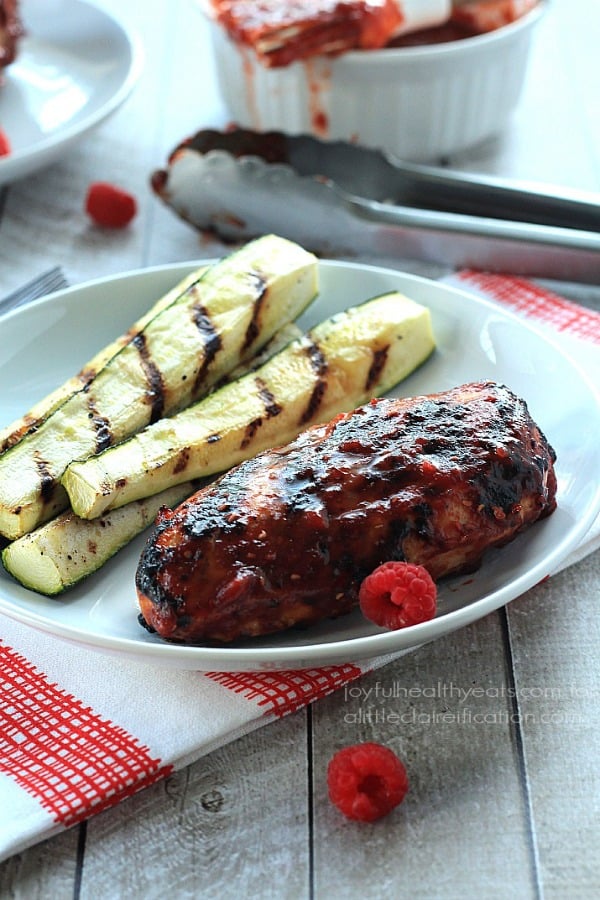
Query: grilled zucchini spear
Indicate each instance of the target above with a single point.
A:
(338, 365)
(62, 552)
(224, 318)
(31, 420)
(66, 550)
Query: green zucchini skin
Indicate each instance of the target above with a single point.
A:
(338, 365)
(221, 320)
(58, 555)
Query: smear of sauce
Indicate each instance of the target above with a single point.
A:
(317, 73)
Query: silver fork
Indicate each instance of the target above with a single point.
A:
(52, 280)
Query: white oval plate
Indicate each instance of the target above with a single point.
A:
(76, 66)
(475, 340)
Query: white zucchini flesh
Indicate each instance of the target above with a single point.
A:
(224, 318)
(339, 364)
(64, 551)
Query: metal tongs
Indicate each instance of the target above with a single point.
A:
(339, 199)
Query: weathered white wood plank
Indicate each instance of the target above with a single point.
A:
(463, 829)
(233, 825)
(47, 870)
(555, 640)
(192, 102)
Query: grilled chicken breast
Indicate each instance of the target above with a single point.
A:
(287, 537)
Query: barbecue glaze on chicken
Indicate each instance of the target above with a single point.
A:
(287, 537)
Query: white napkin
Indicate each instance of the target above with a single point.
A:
(80, 731)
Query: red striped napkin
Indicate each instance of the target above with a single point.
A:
(80, 731)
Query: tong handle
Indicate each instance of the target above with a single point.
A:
(433, 188)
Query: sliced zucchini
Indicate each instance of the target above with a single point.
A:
(280, 340)
(338, 365)
(222, 319)
(64, 551)
(58, 555)
(13, 433)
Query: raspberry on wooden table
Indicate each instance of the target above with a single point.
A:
(109, 205)
(366, 781)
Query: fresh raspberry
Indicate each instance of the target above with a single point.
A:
(5, 148)
(110, 206)
(366, 781)
(398, 594)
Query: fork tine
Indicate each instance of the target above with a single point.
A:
(52, 280)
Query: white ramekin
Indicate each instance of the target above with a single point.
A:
(418, 103)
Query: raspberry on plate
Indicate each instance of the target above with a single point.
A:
(398, 594)
(366, 781)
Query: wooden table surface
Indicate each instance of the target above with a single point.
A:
(505, 790)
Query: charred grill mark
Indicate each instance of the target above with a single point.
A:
(259, 285)
(314, 403)
(317, 359)
(377, 366)
(87, 375)
(183, 458)
(29, 424)
(156, 391)
(129, 335)
(145, 581)
(422, 522)
(251, 429)
(101, 425)
(211, 340)
(271, 407)
(318, 363)
(502, 487)
(431, 446)
(47, 480)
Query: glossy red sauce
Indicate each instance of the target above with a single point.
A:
(284, 31)
(441, 34)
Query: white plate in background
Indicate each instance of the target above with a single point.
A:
(75, 66)
(475, 340)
